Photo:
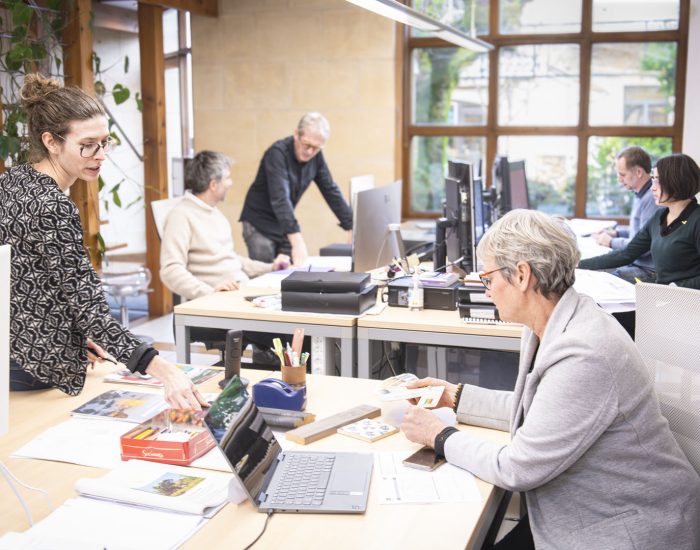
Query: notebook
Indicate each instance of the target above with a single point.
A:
(284, 481)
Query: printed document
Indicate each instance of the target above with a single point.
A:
(398, 484)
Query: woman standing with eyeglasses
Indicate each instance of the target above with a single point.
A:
(673, 233)
(59, 319)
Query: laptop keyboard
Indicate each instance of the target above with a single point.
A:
(304, 480)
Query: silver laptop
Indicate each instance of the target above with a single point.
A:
(284, 481)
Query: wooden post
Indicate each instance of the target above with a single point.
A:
(77, 63)
(154, 143)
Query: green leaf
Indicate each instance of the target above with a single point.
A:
(115, 198)
(4, 147)
(58, 63)
(100, 183)
(139, 102)
(100, 88)
(115, 138)
(105, 203)
(116, 187)
(96, 63)
(135, 201)
(21, 14)
(126, 63)
(39, 52)
(120, 94)
(19, 33)
(101, 244)
(55, 4)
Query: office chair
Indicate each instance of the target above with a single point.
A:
(666, 336)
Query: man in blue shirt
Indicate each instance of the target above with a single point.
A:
(286, 170)
(634, 173)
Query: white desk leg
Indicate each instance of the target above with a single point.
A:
(182, 343)
(441, 360)
(347, 356)
(318, 355)
(431, 356)
(363, 357)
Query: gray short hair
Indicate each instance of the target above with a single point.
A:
(537, 239)
(315, 123)
(204, 167)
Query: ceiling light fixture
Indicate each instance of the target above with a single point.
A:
(408, 16)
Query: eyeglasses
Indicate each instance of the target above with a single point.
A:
(310, 146)
(486, 280)
(90, 149)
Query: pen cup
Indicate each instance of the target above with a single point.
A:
(294, 376)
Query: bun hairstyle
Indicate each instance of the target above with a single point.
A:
(51, 107)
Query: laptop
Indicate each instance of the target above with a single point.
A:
(284, 481)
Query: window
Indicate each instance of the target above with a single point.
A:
(569, 84)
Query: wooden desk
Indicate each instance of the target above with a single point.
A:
(445, 526)
(432, 327)
(230, 310)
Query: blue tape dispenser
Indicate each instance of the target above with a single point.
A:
(277, 394)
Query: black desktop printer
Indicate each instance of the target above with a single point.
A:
(328, 292)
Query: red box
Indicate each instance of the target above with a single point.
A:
(181, 453)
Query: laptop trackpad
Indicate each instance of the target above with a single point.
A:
(347, 481)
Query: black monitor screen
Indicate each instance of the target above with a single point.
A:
(478, 206)
(518, 185)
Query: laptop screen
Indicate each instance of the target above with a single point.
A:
(244, 437)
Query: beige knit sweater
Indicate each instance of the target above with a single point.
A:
(197, 254)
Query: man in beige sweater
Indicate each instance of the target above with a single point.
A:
(197, 255)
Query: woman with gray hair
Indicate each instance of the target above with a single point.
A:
(589, 448)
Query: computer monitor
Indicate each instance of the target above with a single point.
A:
(374, 242)
(510, 183)
(455, 232)
(478, 211)
(519, 197)
(357, 184)
(4, 339)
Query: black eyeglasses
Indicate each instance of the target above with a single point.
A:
(486, 280)
(90, 149)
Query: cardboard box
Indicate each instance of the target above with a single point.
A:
(172, 421)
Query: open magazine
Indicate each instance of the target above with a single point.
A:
(125, 376)
(127, 405)
(163, 486)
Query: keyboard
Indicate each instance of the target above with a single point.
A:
(304, 479)
(485, 321)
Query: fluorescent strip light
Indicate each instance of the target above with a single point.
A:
(399, 13)
(408, 16)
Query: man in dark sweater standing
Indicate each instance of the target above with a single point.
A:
(286, 170)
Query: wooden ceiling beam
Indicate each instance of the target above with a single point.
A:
(200, 7)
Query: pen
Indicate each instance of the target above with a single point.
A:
(110, 359)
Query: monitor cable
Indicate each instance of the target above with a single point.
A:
(267, 519)
(10, 477)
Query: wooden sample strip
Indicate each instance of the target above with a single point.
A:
(329, 426)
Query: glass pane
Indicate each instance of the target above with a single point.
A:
(550, 166)
(646, 15)
(538, 85)
(633, 84)
(540, 16)
(469, 16)
(170, 31)
(174, 120)
(429, 156)
(606, 196)
(450, 86)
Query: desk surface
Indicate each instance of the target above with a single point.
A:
(433, 320)
(226, 304)
(409, 526)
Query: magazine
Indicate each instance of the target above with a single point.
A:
(125, 376)
(394, 389)
(130, 406)
(163, 486)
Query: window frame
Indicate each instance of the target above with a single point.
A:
(586, 38)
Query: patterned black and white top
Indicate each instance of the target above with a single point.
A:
(57, 301)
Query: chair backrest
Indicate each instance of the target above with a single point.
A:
(666, 334)
(161, 209)
(357, 184)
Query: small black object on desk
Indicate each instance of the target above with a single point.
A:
(232, 357)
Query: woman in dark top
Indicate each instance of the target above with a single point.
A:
(59, 319)
(673, 233)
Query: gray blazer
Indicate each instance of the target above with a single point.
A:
(596, 460)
